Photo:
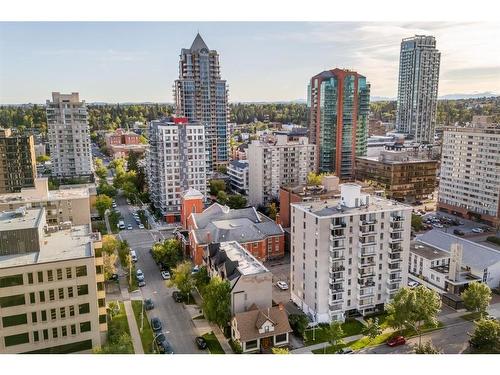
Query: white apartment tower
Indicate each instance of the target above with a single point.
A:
(176, 161)
(418, 87)
(470, 173)
(348, 255)
(273, 164)
(69, 136)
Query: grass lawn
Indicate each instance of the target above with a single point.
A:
(471, 316)
(350, 328)
(382, 319)
(213, 344)
(117, 326)
(147, 332)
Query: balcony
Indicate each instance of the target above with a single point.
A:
(365, 303)
(334, 306)
(366, 252)
(395, 269)
(396, 218)
(337, 245)
(395, 239)
(337, 224)
(368, 221)
(335, 277)
(394, 259)
(366, 242)
(337, 268)
(396, 227)
(365, 291)
(366, 273)
(394, 279)
(337, 234)
(367, 263)
(395, 248)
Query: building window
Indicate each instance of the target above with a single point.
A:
(70, 292)
(15, 300)
(44, 316)
(40, 277)
(36, 337)
(61, 293)
(42, 296)
(72, 311)
(251, 344)
(45, 334)
(59, 274)
(54, 332)
(52, 296)
(33, 317)
(14, 320)
(84, 308)
(53, 314)
(50, 276)
(85, 327)
(62, 312)
(30, 279)
(68, 273)
(81, 271)
(22, 338)
(64, 331)
(73, 329)
(12, 280)
(82, 290)
(280, 338)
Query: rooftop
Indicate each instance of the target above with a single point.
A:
(220, 223)
(474, 255)
(428, 252)
(20, 219)
(62, 245)
(249, 323)
(247, 263)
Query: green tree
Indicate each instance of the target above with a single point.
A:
(273, 210)
(42, 159)
(222, 169)
(298, 323)
(182, 278)
(103, 203)
(169, 252)
(201, 279)
(236, 201)
(121, 345)
(372, 328)
(426, 348)
(106, 189)
(486, 335)
(216, 186)
(109, 244)
(411, 308)
(222, 197)
(109, 261)
(477, 297)
(313, 179)
(334, 333)
(416, 222)
(217, 301)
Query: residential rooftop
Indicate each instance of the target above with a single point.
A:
(428, 252)
(73, 243)
(474, 255)
(21, 218)
(247, 263)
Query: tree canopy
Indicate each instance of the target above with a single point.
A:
(217, 301)
(103, 203)
(477, 297)
(182, 278)
(486, 335)
(168, 252)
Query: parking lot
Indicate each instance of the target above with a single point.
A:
(280, 269)
(454, 225)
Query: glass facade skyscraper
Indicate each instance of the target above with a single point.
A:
(201, 96)
(418, 88)
(338, 103)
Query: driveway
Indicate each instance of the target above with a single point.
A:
(280, 269)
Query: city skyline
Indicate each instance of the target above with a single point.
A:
(97, 61)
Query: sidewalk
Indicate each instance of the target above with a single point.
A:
(134, 331)
(309, 349)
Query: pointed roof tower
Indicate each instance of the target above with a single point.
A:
(198, 43)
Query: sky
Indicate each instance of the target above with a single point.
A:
(261, 61)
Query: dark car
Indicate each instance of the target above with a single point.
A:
(200, 343)
(346, 350)
(160, 338)
(165, 347)
(156, 324)
(114, 277)
(396, 341)
(458, 232)
(177, 296)
(148, 304)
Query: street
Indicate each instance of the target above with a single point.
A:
(174, 317)
(452, 339)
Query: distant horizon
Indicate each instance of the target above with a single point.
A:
(117, 62)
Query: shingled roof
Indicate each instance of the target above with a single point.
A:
(249, 322)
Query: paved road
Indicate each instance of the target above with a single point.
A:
(174, 317)
(452, 339)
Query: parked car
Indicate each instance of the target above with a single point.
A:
(477, 230)
(148, 304)
(396, 341)
(165, 347)
(177, 296)
(141, 226)
(201, 343)
(129, 227)
(133, 255)
(458, 232)
(346, 350)
(195, 270)
(282, 285)
(141, 283)
(140, 275)
(413, 284)
(156, 324)
(160, 338)
(165, 275)
(114, 277)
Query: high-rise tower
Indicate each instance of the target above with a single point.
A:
(418, 87)
(201, 96)
(339, 103)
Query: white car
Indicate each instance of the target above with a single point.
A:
(129, 227)
(282, 285)
(165, 275)
(413, 284)
(141, 226)
(477, 230)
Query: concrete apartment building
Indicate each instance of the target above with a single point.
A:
(176, 162)
(469, 183)
(338, 101)
(62, 205)
(271, 165)
(448, 264)
(237, 171)
(52, 295)
(69, 136)
(404, 178)
(419, 62)
(349, 256)
(17, 161)
(201, 95)
(251, 282)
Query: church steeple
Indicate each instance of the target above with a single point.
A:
(198, 43)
